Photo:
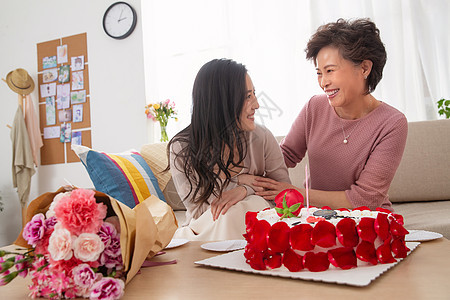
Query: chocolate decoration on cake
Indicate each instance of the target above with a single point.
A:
(325, 213)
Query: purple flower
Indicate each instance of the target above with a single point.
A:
(114, 247)
(112, 256)
(34, 230)
(111, 262)
(106, 233)
(50, 223)
(107, 288)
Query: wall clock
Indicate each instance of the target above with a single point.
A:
(119, 20)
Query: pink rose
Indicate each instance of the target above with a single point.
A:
(34, 230)
(88, 247)
(80, 213)
(107, 288)
(60, 244)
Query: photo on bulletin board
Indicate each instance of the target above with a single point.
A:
(63, 96)
(77, 81)
(49, 62)
(52, 132)
(77, 113)
(66, 133)
(77, 63)
(65, 115)
(50, 109)
(62, 54)
(78, 97)
(76, 138)
(64, 74)
(48, 90)
(49, 75)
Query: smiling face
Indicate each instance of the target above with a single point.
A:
(251, 104)
(342, 80)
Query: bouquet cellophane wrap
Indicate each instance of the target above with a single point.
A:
(144, 230)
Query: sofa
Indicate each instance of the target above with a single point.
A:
(420, 190)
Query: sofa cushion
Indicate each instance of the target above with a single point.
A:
(124, 176)
(424, 172)
(428, 215)
(156, 157)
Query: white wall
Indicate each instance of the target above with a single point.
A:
(116, 80)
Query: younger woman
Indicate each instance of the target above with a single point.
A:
(214, 160)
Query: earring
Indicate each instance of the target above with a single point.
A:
(365, 77)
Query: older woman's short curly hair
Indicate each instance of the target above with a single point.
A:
(357, 40)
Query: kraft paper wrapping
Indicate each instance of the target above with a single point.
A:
(144, 230)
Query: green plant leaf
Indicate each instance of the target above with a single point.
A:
(284, 202)
(279, 210)
(294, 207)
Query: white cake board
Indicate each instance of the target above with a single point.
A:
(360, 276)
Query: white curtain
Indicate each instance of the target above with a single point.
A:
(269, 37)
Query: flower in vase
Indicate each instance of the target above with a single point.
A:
(161, 112)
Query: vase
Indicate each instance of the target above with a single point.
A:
(164, 137)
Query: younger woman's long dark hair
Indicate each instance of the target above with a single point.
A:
(213, 142)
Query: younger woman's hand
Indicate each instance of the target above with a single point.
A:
(249, 180)
(227, 200)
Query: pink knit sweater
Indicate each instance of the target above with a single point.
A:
(365, 166)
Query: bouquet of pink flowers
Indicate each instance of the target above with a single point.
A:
(76, 248)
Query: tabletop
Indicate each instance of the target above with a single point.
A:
(424, 274)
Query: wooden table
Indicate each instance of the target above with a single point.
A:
(424, 274)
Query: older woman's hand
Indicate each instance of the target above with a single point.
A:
(271, 187)
(227, 200)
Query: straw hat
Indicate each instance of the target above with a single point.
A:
(20, 82)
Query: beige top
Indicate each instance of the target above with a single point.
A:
(22, 160)
(264, 158)
(32, 123)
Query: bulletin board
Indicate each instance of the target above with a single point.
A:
(64, 98)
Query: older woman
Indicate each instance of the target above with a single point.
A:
(214, 160)
(354, 141)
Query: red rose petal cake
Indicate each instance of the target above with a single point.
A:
(317, 238)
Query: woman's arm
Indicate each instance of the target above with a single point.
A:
(371, 187)
(333, 199)
(228, 198)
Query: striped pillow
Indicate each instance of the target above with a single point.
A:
(124, 176)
